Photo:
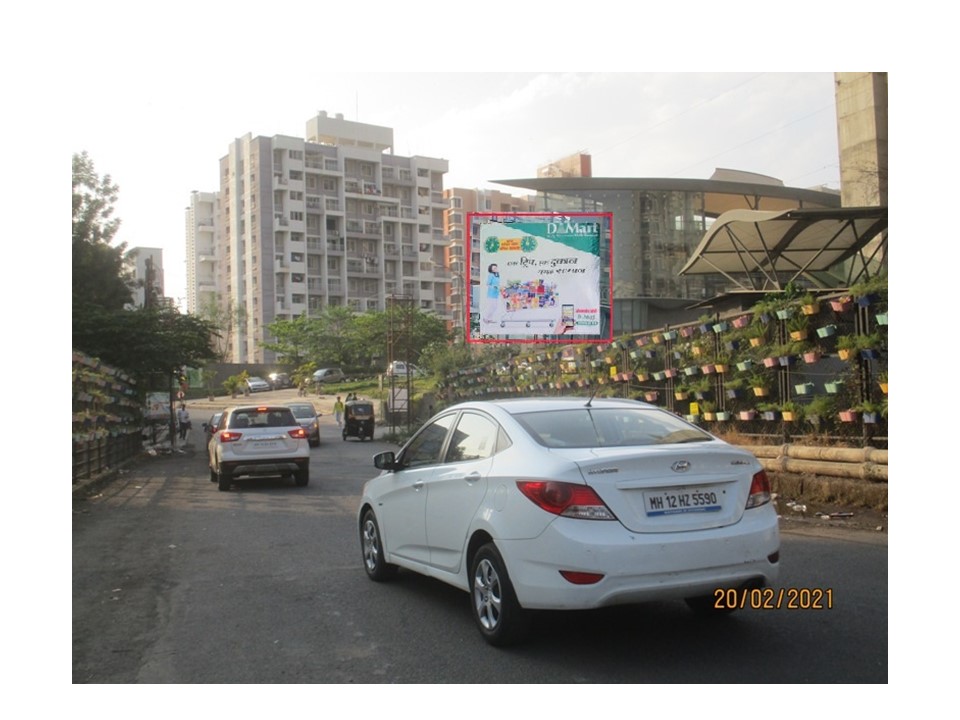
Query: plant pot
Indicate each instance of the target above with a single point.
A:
(770, 415)
(720, 368)
(811, 309)
(745, 365)
(756, 341)
(787, 360)
(870, 354)
(705, 328)
(833, 388)
(804, 389)
(845, 354)
(866, 300)
(697, 351)
(642, 377)
(651, 396)
(785, 314)
(761, 392)
(789, 416)
(681, 395)
(732, 345)
(686, 332)
(848, 416)
(733, 394)
(826, 331)
(708, 369)
(812, 357)
(771, 362)
(641, 341)
(670, 335)
(748, 414)
(799, 334)
(841, 305)
(883, 388)
(742, 321)
(671, 373)
(721, 327)
(722, 416)
(881, 318)
(870, 418)
(703, 394)
(692, 418)
(657, 339)
(659, 376)
(709, 416)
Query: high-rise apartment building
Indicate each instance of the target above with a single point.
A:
(201, 216)
(462, 201)
(332, 219)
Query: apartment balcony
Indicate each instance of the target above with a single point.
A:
(280, 220)
(315, 203)
(332, 204)
(407, 212)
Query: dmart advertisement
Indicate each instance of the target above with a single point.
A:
(540, 276)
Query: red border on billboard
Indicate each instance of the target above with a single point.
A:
(572, 340)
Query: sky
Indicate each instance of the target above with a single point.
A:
(167, 137)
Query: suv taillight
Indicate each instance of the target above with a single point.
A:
(299, 433)
(566, 499)
(229, 436)
(759, 490)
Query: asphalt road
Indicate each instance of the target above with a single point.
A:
(176, 582)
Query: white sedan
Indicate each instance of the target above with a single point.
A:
(569, 503)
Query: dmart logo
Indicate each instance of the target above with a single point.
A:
(572, 228)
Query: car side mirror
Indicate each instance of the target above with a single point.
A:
(385, 461)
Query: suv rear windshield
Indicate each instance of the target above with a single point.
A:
(608, 427)
(262, 417)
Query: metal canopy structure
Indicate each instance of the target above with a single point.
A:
(764, 250)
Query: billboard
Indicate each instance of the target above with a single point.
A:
(539, 276)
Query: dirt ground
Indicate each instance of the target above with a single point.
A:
(807, 502)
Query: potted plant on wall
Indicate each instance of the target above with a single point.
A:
(809, 304)
(769, 411)
(819, 410)
(882, 381)
(791, 411)
(798, 328)
(760, 384)
(846, 346)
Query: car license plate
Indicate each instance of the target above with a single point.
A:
(263, 444)
(682, 500)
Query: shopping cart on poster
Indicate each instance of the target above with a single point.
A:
(538, 317)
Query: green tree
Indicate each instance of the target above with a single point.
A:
(101, 275)
(152, 344)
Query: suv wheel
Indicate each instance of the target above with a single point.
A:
(223, 479)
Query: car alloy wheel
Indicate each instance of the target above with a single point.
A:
(498, 615)
(377, 568)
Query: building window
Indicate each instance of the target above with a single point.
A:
(295, 215)
(295, 154)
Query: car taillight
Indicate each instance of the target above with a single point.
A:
(229, 436)
(759, 490)
(299, 433)
(581, 578)
(566, 499)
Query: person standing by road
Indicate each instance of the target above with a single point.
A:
(183, 420)
(338, 412)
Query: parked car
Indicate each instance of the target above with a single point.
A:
(279, 381)
(328, 375)
(568, 503)
(256, 384)
(402, 369)
(254, 441)
(210, 426)
(309, 419)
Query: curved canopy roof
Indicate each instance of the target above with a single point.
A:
(761, 249)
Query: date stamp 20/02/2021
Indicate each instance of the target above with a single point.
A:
(773, 598)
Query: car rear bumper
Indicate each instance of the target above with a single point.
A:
(264, 467)
(639, 567)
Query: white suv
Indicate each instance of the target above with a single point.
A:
(257, 440)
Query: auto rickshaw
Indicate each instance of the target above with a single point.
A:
(358, 419)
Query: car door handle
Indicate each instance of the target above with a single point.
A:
(418, 485)
(472, 477)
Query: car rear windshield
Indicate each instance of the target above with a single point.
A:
(303, 411)
(608, 427)
(262, 417)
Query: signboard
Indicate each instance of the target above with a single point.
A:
(158, 406)
(539, 276)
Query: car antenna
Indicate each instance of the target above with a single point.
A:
(592, 395)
